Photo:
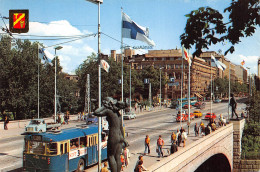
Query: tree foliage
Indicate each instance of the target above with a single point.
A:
(205, 26)
(110, 85)
(19, 81)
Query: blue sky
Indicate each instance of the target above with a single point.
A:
(165, 19)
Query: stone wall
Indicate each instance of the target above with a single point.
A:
(237, 137)
(249, 165)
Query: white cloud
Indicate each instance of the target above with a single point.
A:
(250, 61)
(73, 53)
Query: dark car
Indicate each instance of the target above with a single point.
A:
(91, 119)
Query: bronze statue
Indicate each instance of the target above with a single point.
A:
(233, 104)
(110, 109)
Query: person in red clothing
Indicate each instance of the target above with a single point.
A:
(147, 144)
(160, 143)
(122, 161)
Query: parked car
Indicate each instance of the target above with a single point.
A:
(197, 113)
(191, 116)
(129, 115)
(186, 106)
(217, 101)
(210, 115)
(91, 119)
(39, 125)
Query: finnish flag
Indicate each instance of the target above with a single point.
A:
(43, 54)
(218, 64)
(134, 31)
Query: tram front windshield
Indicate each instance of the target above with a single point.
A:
(42, 148)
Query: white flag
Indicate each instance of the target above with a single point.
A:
(43, 54)
(218, 64)
(104, 65)
(134, 31)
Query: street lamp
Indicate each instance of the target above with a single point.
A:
(98, 2)
(161, 87)
(130, 61)
(55, 97)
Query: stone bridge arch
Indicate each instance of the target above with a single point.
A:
(216, 145)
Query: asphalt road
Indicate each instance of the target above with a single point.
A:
(152, 124)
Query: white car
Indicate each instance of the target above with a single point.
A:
(129, 115)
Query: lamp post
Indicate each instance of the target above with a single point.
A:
(130, 94)
(98, 2)
(161, 87)
(55, 97)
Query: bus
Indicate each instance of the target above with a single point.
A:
(193, 100)
(68, 150)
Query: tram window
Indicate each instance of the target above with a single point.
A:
(66, 148)
(74, 143)
(36, 147)
(51, 148)
(89, 140)
(83, 142)
(61, 149)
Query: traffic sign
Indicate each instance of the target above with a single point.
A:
(19, 21)
(173, 84)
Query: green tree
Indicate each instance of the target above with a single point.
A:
(205, 25)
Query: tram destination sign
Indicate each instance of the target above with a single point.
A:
(36, 138)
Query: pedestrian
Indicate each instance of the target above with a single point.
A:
(181, 130)
(147, 144)
(127, 156)
(233, 104)
(160, 143)
(104, 169)
(184, 137)
(177, 137)
(173, 138)
(202, 128)
(122, 161)
(139, 164)
(6, 121)
(196, 129)
(174, 148)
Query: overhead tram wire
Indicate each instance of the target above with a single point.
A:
(71, 40)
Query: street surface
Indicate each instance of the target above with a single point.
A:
(152, 124)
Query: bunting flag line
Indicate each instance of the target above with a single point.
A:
(104, 65)
(186, 55)
(132, 30)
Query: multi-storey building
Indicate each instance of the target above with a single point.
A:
(171, 62)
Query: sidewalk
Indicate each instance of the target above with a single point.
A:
(15, 132)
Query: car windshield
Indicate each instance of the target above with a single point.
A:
(35, 122)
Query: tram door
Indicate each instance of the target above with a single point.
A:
(64, 155)
(92, 149)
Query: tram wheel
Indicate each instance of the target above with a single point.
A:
(81, 165)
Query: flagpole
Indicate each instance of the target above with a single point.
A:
(122, 57)
(181, 87)
(210, 87)
(189, 99)
(99, 92)
(38, 81)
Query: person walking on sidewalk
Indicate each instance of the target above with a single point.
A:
(6, 121)
(196, 130)
(160, 143)
(127, 156)
(104, 169)
(177, 137)
(184, 137)
(139, 164)
(147, 144)
(173, 138)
